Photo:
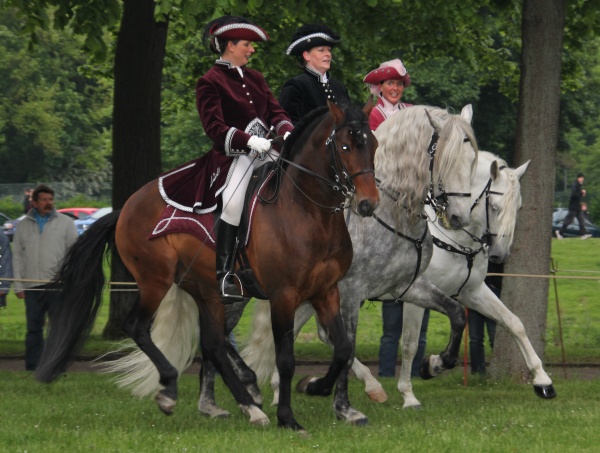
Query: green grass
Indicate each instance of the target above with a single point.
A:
(578, 302)
(85, 412)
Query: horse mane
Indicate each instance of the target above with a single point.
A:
(401, 160)
(304, 126)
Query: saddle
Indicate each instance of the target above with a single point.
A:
(262, 187)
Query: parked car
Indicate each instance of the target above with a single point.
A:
(9, 227)
(558, 217)
(3, 219)
(84, 224)
(78, 213)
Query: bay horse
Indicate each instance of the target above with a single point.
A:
(496, 202)
(299, 248)
(393, 248)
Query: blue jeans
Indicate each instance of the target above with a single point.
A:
(391, 312)
(37, 305)
(477, 326)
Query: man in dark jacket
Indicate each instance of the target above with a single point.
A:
(311, 45)
(577, 193)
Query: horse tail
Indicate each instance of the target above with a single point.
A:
(135, 370)
(80, 281)
(259, 351)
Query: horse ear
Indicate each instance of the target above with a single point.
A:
(436, 122)
(521, 170)
(467, 113)
(494, 170)
(336, 112)
(368, 106)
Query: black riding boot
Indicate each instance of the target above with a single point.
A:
(226, 236)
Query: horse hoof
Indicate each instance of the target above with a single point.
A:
(216, 412)
(424, 370)
(165, 404)
(260, 421)
(379, 395)
(545, 391)
(303, 384)
(418, 407)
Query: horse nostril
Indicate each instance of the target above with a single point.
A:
(365, 209)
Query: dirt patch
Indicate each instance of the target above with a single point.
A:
(308, 368)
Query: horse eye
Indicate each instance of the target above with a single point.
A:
(346, 148)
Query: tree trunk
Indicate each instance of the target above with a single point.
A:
(537, 133)
(139, 59)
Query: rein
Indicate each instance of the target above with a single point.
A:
(342, 181)
(418, 243)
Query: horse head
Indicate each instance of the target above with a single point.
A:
(502, 206)
(452, 169)
(354, 148)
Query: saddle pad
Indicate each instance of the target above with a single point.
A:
(173, 220)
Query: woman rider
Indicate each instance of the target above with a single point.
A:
(237, 110)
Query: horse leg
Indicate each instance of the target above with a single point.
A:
(373, 387)
(412, 318)
(487, 303)
(137, 326)
(425, 295)
(341, 335)
(206, 403)
(212, 342)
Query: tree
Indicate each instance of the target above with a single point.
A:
(537, 134)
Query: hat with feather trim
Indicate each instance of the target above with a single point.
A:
(309, 36)
(388, 70)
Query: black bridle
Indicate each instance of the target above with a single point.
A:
(485, 240)
(440, 202)
(342, 181)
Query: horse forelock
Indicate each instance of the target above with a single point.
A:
(510, 204)
(450, 152)
(401, 162)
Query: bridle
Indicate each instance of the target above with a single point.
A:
(342, 181)
(485, 240)
(440, 202)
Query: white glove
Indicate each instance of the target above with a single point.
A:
(286, 135)
(259, 146)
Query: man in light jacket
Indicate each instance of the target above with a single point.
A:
(41, 241)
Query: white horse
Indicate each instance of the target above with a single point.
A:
(393, 248)
(496, 199)
(494, 216)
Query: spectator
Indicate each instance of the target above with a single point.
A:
(40, 243)
(311, 45)
(478, 323)
(577, 193)
(391, 312)
(27, 201)
(5, 268)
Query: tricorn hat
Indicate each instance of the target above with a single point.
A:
(239, 30)
(309, 36)
(388, 70)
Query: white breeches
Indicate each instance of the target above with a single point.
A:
(233, 194)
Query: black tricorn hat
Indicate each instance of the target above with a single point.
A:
(309, 36)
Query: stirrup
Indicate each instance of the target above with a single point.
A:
(226, 298)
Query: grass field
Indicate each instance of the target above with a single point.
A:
(579, 302)
(85, 412)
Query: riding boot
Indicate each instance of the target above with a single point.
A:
(226, 236)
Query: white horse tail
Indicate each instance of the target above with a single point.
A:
(179, 345)
(259, 351)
